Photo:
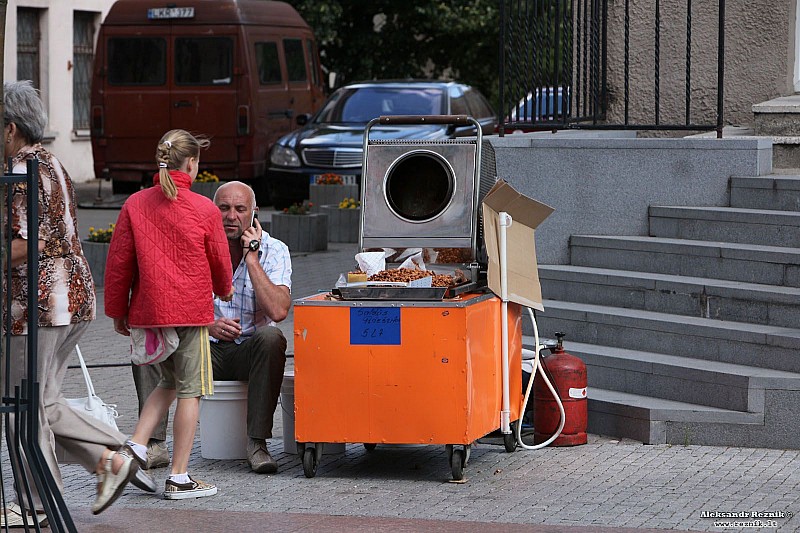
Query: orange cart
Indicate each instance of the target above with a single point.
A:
(402, 372)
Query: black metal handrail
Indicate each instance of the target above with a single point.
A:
(555, 65)
(22, 399)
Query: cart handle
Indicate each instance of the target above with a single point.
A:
(458, 120)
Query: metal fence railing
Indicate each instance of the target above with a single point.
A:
(622, 65)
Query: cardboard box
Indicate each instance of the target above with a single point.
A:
(523, 271)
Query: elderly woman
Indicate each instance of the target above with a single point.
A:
(66, 305)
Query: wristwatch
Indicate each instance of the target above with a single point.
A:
(254, 245)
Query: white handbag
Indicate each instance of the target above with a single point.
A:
(91, 405)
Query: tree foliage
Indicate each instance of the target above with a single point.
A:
(393, 39)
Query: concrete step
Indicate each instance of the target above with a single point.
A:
(778, 116)
(683, 295)
(778, 119)
(776, 191)
(769, 265)
(785, 151)
(678, 378)
(726, 224)
(706, 339)
(657, 421)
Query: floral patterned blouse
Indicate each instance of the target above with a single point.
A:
(66, 288)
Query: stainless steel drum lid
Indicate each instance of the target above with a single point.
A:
(425, 193)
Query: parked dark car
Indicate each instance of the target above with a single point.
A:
(332, 140)
(549, 108)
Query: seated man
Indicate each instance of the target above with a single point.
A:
(245, 344)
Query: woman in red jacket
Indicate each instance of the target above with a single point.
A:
(168, 257)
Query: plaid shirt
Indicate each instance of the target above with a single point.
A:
(274, 258)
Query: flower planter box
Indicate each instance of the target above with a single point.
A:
(301, 233)
(96, 254)
(342, 223)
(319, 195)
(206, 188)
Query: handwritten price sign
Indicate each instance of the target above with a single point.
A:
(374, 325)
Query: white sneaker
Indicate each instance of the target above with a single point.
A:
(142, 479)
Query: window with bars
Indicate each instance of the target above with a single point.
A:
(82, 59)
(28, 42)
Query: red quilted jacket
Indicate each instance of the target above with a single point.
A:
(167, 258)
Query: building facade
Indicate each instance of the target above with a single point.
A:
(51, 42)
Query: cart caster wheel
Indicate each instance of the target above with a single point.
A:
(510, 440)
(457, 464)
(369, 446)
(310, 462)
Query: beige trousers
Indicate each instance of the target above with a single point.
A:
(83, 436)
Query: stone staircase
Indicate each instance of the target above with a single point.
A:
(777, 119)
(691, 335)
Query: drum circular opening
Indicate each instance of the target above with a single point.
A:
(419, 186)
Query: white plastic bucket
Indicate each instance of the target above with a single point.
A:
(223, 421)
(287, 406)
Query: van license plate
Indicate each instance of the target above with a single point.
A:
(170, 13)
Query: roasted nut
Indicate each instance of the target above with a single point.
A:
(405, 275)
(452, 255)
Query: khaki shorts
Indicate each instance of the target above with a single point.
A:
(188, 369)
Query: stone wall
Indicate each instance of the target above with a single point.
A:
(602, 183)
(759, 58)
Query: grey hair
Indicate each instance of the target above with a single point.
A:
(249, 188)
(24, 107)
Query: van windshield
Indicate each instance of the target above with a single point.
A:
(364, 104)
(137, 61)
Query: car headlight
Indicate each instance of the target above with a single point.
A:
(283, 157)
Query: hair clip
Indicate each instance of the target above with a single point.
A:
(162, 165)
(168, 143)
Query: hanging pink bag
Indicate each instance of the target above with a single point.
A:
(150, 346)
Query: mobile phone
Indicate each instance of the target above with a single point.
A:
(253, 218)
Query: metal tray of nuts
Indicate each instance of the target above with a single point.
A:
(391, 293)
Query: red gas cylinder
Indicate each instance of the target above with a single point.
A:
(567, 373)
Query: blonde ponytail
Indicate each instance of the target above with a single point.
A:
(174, 148)
(165, 180)
(168, 186)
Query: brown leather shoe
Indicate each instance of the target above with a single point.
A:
(157, 454)
(259, 458)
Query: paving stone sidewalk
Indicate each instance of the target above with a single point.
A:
(605, 484)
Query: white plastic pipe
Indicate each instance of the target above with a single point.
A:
(505, 414)
(537, 365)
(505, 222)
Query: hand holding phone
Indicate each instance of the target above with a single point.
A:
(253, 232)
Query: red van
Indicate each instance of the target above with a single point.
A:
(239, 71)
